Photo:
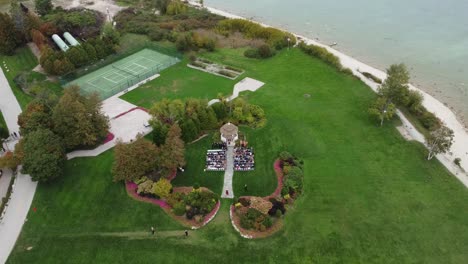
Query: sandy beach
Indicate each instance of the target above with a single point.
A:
(460, 146)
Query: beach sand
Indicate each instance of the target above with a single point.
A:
(460, 146)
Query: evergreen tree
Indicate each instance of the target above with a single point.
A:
(159, 132)
(43, 7)
(189, 130)
(8, 35)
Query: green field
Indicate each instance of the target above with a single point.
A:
(369, 196)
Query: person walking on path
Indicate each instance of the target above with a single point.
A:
(152, 231)
(16, 135)
(186, 233)
(245, 187)
(227, 193)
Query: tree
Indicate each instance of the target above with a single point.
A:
(43, 7)
(9, 160)
(63, 66)
(176, 7)
(162, 188)
(36, 116)
(19, 20)
(439, 141)
(395, 87)
(8, 35)
(44, 155)
(172, 153)
(189, 130)
(168, 111)
(159, 132)
(134, 160)
(109, 34)
(382, 109)
(161, 5)
(91, 51)
(78, 119)
(77, 56)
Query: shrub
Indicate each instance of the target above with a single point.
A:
(267, 222)
(179, 208)
(430, 121)
(3, 132)
(156, 34)
(260, 204)
(233, 69)
(285, 156)
(322, 54)
(264, 51)
(278, 213)
(251, 53)
(162, 188)
(227, 73)
(198, 64)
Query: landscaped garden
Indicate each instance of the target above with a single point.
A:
(350, 192)
(368, 195)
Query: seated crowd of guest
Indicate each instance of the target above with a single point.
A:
(219, 145)
(244, 159)
(216, 160)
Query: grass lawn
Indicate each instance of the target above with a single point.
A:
(180, 81)
(24, 60)
(369, 196)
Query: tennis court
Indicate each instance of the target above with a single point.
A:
(124, 73)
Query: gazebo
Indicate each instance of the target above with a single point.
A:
(229, 133)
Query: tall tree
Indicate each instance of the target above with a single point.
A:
(44, 155)
(395, 87)
(439, 141)
(78, 119)
(134, 160)
(43, 7)
(8, 35)
(382, 109)
(19, 20)
(172, 153)
(36, 116)
(159, 132)
(168, 111)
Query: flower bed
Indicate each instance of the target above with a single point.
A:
(109, 137)
(195, 222)
(258, 217)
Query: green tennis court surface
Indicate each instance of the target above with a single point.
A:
(120, 75)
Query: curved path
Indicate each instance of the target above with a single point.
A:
(24, 188)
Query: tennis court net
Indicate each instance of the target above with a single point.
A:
(126, 71)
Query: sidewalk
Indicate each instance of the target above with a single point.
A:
(228, 174)
(24, 189)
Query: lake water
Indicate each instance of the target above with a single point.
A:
(429, 36)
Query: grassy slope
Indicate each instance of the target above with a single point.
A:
(23, 60)
(369, 196)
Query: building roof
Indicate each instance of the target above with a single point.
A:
(229, 131)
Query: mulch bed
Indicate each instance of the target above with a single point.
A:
(132, 187)
(235, 220)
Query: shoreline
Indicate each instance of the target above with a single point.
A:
(460, 146)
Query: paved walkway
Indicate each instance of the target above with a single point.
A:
(228, 174)
(23, 189)
(247, 84)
